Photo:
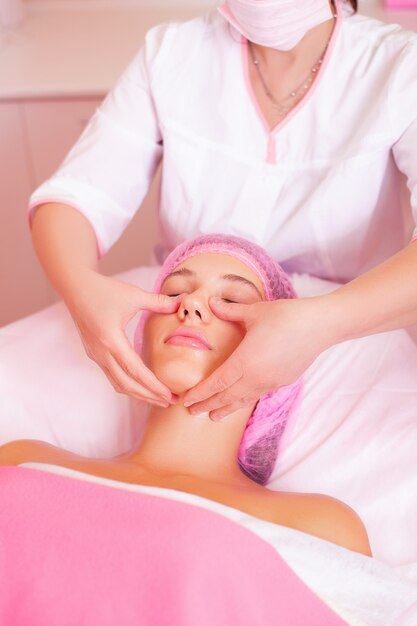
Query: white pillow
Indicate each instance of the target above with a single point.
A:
(50, 390)
(354, 436)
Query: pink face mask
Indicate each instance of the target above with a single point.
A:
(279, 24)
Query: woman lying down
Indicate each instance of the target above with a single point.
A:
(186, 533)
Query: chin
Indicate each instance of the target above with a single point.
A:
(180, 376)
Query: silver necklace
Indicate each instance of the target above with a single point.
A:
(279, 105)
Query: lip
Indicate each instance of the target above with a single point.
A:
(189, 337)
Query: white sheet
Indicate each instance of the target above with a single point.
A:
(362, 590)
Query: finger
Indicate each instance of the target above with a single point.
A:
(131, 363)
(219, 404)
(219, 414)
(159, 303)
(122, 384)
(237, 393)
(221, 379)
(230, 311)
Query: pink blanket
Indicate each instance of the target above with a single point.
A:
(77, 552)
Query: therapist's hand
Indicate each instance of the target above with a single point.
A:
(101, 307)
(282, 339)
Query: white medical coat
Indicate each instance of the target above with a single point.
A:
(321, 192)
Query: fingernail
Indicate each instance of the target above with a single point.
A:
(163, 405)
(187, 403)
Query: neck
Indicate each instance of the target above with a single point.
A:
(175, 442)
(305, 53)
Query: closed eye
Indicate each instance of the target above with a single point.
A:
(174, 295)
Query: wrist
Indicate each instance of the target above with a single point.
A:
(76, 283)
(345, 318)
(326, 319)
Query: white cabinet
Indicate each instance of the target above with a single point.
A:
(35, 138)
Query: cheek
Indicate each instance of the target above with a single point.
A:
(154, 329)
(230, 336)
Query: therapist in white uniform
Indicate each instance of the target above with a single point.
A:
(282, 121)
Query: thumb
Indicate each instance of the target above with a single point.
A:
(158, 302)
(230, 311)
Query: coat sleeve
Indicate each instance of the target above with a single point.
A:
(108, 171)
(403, 112)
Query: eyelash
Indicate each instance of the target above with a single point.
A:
(174, 295)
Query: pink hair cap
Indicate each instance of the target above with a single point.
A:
(260, 442)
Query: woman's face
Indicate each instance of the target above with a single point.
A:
(185, 347)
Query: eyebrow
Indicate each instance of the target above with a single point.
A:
(183, 271)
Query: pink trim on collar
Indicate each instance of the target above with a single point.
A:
(271, 145)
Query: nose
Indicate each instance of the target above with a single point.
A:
(194, 307)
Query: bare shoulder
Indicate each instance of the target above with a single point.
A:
(32, 451)
(330, 519)
(336, 521)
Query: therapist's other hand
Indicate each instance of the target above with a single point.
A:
(101, 308)
(282, 339)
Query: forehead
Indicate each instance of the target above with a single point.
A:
(212, 266)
